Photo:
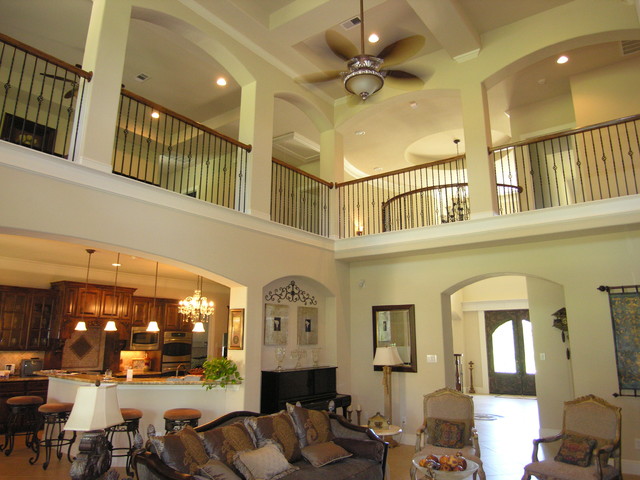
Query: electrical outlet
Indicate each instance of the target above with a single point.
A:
(404, 421)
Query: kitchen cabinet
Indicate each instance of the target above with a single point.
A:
(26, 316)
(13, 316)
(141, 309)
(12, 388)
(172, 318)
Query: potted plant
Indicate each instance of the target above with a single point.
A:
(220, 371)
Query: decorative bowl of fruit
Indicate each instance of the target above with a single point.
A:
(445, 467)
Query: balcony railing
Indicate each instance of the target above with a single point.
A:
(39, 98)
(591, 163)
(419, 196)
(299, 199)
(175, 153)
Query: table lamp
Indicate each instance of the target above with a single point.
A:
(95, 409)
(386, 357)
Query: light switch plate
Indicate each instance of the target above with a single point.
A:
(432, 359)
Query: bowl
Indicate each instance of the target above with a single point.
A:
(472, 467)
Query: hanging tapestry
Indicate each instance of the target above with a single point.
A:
(625, 316)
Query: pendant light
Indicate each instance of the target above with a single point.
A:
(111, 325)
(153, 324)
(81, 326)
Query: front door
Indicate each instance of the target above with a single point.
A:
(510, 354)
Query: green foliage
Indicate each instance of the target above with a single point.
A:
(220, 371)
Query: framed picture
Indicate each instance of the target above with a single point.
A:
(236, 329)
(276, 320)
(307, 326)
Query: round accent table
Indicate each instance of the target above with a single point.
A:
(472, 467)
(388, 433)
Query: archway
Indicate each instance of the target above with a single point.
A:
(464, 305)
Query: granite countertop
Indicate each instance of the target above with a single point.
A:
(18, 378)
(91, 378)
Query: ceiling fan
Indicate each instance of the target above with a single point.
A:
(74, 89)
(365, 75)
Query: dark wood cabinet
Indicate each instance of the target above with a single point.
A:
(141, 309)
(172, 319)
(26, 316)
(13, 388)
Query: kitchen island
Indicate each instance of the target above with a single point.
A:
(153, 396)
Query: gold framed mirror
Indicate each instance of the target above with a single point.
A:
(396, 325)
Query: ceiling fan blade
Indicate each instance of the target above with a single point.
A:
(403, 80)
(56, 77)
(319, 77)
(340, 45)
(402, 50)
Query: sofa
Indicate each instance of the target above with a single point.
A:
(294, 444)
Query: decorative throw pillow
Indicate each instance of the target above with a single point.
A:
(279, 428)
(217, 470)
(323, 454)
(446, 433)
(312, 426)
(224, 442)
(576, 450)
(183, 451)
(265, 463)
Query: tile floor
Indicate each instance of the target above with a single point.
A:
(506, 427)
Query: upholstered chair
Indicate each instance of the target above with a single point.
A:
(449, 428)
(590, 442)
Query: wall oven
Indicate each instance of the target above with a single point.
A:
(143, 340)
(176, 351)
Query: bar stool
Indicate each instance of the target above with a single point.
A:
(54, 416)
(130, 426)
(23, 420)
(177, 418)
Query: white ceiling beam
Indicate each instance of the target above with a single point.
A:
(450, 25)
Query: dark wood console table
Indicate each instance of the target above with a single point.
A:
(313, 387)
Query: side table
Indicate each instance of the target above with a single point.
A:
(388, 433)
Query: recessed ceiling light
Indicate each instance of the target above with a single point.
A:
(413, 104)
(221, 81)
(562, 59)
(374, 38)
(542, 81)
(360, 132)
(116, 264)
(377, 169)
(155, 115)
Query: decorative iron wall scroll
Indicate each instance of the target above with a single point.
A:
(625, 316)
(291, 293)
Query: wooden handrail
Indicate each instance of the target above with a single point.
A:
(402, 170)
(447, 185)
(567, 133)
(184, 119)
(301, 172)
(45, 56)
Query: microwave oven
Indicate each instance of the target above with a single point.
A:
(143, 340)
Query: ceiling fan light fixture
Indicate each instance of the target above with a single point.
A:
(363, 78)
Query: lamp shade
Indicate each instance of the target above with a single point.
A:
(110, 326)
(153, 326)
(81, 326)
(387, 356)
(95, 408)
(198, 327)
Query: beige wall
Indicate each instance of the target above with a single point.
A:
(576, 265)
(540, 118)
(607, 93)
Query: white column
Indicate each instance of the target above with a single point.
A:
(104, 55)
(477, 134)
(332, 169)
(256, 129)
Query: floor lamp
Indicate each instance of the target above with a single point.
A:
(387, 357)
(94, 409)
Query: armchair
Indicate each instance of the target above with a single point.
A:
(449, 428)
(590, 438)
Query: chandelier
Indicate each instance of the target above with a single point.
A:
(197, 308)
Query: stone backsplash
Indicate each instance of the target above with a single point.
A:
(16, 358)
